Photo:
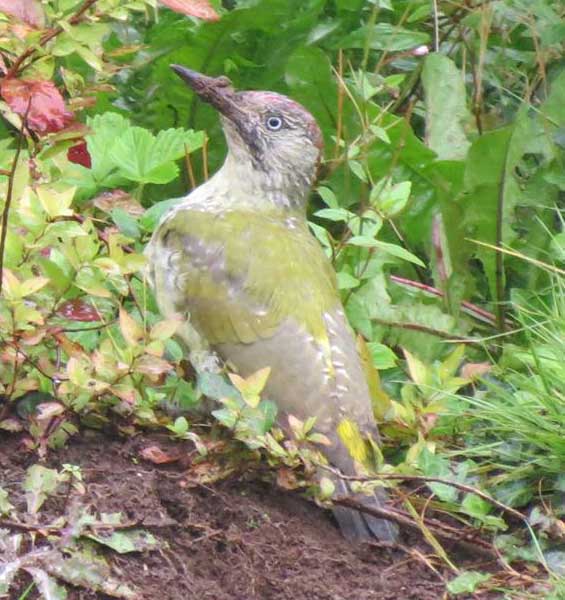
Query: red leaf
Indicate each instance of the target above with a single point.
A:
(79, 154)
(28, 11)
(78, 310)
(40, 100)
(201, 9)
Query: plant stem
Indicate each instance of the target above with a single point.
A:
(9, 196)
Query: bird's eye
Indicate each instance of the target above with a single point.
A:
(274, 123)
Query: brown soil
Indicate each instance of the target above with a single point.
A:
(238, 539)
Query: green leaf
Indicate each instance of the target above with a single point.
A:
(144, 158)
(398, 251)
(5, 505)
(151, 217)
(383, 357)
(335, 214)
(467, 582)
(384, 36)
(39, 483)
(390, 199)
(126, 223)
(124, 542)
(345, 281)
(444, 89)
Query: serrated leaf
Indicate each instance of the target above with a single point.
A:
(144, 158)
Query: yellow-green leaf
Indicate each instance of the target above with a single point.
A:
(131, 330)
(417, 369)
(165, 329)
(30, 286)
(56, 204)
(251, 387)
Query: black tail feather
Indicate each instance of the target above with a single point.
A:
(361, 527)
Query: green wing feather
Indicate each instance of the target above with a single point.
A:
(240, 275)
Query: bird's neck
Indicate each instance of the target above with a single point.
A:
(242, 185)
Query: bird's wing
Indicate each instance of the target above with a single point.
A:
(241, 275)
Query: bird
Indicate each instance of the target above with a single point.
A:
(236, 255)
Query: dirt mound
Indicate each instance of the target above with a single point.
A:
(235, 540)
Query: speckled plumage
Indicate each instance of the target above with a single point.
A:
(238, 257)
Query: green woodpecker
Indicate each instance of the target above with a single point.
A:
(237, 256)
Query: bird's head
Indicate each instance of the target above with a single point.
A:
(274, 142)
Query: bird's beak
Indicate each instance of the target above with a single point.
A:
(217, 91)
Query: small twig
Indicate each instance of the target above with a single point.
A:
(438, 528)
(10, 194)
(436, 25)
(468, 307)
(429, 330)
(46, 37)
(41, 529)
(425, 479)
(189, 168)
(205, 158)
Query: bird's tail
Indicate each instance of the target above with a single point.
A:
(357, 526)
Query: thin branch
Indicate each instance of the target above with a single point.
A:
(429, 330)
(469, 489)
(47, 37)
(10, 194)
(468, 539)
(468, 307)
(436, 25)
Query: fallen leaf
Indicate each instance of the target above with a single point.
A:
(286, 479)
(201, 9)
(40, 100)
(158, 456)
